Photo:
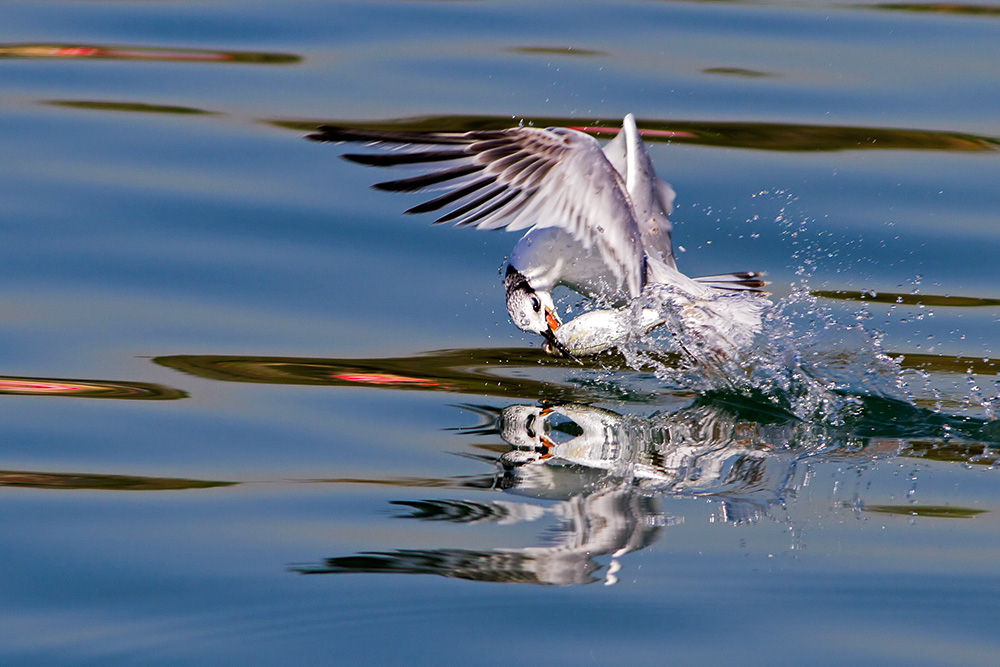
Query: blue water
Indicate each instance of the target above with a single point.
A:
(253, 415)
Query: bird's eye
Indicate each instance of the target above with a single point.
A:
(529, 426)
(536, 304)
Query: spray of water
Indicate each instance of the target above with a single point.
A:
(803, 361)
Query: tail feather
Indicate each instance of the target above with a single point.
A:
(742, 281)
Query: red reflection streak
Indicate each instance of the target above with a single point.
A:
(97, 52)
(35, 387)
(385, 379)
(90, 52)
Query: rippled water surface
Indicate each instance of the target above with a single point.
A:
(253, 415)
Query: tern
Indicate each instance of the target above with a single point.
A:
(596, 219)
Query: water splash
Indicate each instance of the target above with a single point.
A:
(804, 361)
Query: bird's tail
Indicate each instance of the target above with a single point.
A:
(743, 281)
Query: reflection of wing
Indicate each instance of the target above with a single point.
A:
(609, 521)
(500, 566)
(516, 179)
(468, 511)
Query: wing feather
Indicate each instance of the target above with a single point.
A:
(517, 179)
(422, 182)
(451, 197)
(468, 207)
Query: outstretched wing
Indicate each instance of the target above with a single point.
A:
(515, 179)
(652, 197)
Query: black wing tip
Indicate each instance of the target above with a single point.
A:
(327, 133)
(405, 158)
(752, 280)
(389, 186)
(417, 183)
(367, 159)
(425, 207)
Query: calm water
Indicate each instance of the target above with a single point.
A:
(255, 416)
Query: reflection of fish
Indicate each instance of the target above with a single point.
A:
(596, 219)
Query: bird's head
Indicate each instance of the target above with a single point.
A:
(532, 310)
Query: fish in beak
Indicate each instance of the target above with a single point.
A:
(553, 345)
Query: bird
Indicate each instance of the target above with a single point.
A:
(597, 219)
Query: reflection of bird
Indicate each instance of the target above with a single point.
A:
(603, 475)
(596, 219)
(697, 451)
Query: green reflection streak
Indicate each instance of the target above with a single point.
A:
(737, 71)
(933, 511)
(49, 480)
(556, 51)
(474, 482)
(36, 386)
(908, 299)
(467, 371)
(939, 8)
(140, 53)
(726, 134)
(138, 107)
(479, 371)
(952, 451)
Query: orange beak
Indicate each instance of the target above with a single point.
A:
(556, 347)
(552, 320)
(548, 444)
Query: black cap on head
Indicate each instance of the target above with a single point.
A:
(515, 280)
